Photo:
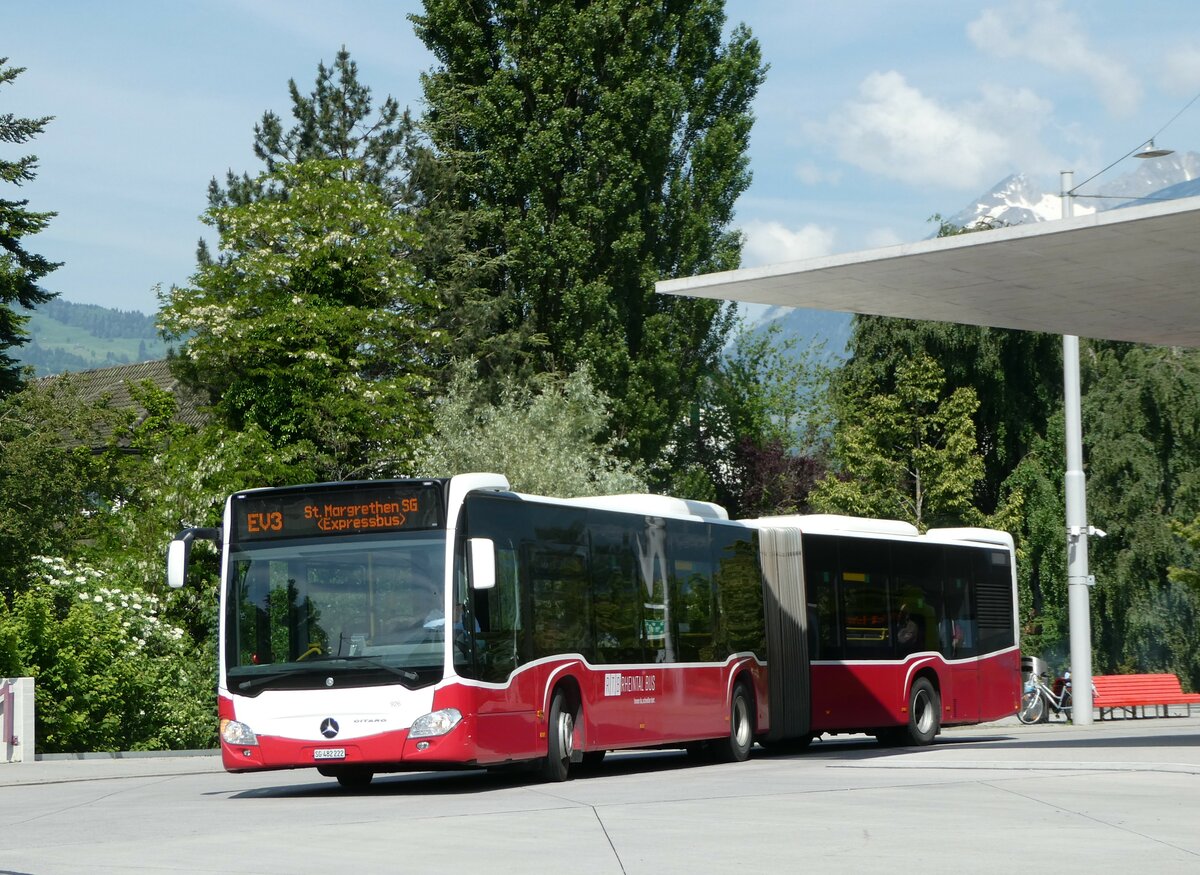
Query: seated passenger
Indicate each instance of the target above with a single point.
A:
(907, 631)
(412, 618)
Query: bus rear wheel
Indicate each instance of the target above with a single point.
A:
(560, 739)
(924, 713)
(736, 748)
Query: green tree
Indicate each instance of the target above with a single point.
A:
(314, 328)
(336, 121)
(20, 270)
(116, 666)
(756, 433)
(1032, 510)
(547, 436)
(910, 455)
(1016, 375)
(1141, 408)
(53, 480)
(592, 148)
(1189, 574)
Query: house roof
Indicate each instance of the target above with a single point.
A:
(114, 382)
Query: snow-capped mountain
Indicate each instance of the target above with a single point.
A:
(1015, 200)
(1018, 200)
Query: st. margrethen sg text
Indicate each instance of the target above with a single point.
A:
(372, 515)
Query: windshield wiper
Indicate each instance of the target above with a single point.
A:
(379, 663)
(346, 664)
(262, 679)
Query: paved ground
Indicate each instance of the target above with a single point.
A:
(998, 798)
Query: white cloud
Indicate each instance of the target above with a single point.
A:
(1016, 119)
(1043, 32)
(896, 131)
(1181, 69)
(878, 238)
(810, 174)
(772, 243)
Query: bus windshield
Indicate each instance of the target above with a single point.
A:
(347, 611)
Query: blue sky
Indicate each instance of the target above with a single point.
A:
(874, 116)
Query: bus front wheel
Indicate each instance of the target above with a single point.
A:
(560, 739)
(350, 779)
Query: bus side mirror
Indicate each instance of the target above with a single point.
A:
(177, 560)
(179, 553)
(482, 555)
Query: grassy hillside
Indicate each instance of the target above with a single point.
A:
(79, 337)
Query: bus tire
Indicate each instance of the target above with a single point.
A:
(786, 746)
(736, 748)
(924, 713)
(355, 779)
(592, 760)
(560, 739)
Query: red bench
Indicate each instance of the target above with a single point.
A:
(1132, 694)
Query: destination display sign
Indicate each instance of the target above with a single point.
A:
(341, 510)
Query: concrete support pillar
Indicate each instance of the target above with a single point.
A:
(18, 741)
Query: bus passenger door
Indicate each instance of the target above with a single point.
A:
(498, 622)
(960, 639)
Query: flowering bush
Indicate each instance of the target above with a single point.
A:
(110, 673)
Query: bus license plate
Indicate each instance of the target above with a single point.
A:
(329, 753)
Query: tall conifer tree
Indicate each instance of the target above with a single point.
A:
(20, 270)
(591, 148)
(337, 121)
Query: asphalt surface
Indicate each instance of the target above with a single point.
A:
(1114, 796)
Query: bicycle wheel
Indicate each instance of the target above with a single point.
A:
(1033, 708)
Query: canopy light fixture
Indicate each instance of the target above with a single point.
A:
(1152, 151)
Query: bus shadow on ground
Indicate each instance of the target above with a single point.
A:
(1107, 741)
(471, 781)
(866, 747)
(857, 748)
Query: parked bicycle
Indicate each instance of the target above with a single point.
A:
(1042, 696)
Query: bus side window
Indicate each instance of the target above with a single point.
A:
(960, 635)
(917, 595)
(498, 614)
(820, 574)
(616, 594)
(867, 614)
(559, 581)
(691, 590)
(738, 580)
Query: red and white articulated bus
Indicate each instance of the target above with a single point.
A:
(383, 626)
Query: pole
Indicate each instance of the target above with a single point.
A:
(1075, 490)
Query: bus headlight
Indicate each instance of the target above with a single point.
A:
(237, 733)
(435, 723)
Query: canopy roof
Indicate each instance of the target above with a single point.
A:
(1126, 274)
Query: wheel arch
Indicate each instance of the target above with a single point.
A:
(565, 681)
(743, 675)
(564, 678)
(926, 668)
